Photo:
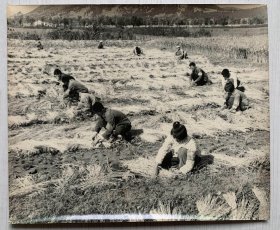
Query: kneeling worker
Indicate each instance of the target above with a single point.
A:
(198, 76)
(100, 45)
(236, 100)
(181, 54)
(137, 51)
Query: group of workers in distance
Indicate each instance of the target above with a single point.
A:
(179, 151)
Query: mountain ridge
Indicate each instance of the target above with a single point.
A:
(190, 10)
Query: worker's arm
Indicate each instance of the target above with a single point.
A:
(97, 138)
(227, 95)
(235, 81)
(110, 124)
(165, 148)
(192, 152)
(190, 79)
(223, 83)
(66, 93)
(109, 130)
(200, 75)
(188, 166)
(67, 89)
(236, 101)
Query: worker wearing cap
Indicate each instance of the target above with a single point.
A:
(181, 54)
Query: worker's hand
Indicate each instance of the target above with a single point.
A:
(224, 106)
(232, 110)
(193, 83)
(71, 112)
(156, 170)
(74, 147)
(95, 142)
(62, 105)
(175, 172)
(107, 144)
(94, 135)
(98, 139)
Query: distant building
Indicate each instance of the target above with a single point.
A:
(38, 23)
(42, 23)
(245, 21)
(26, 24)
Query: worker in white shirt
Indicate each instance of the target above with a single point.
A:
(179, 150)
(233, 78)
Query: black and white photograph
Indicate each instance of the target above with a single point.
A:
(136, 113)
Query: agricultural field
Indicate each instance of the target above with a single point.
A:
(55, 174)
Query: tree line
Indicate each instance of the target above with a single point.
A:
(122, 21)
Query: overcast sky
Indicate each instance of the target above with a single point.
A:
(240, 6)
(25, 9)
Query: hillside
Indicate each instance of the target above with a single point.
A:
(190, 11)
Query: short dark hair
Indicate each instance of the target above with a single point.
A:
(225, 72)
(97, 107)
(192, 64)
(57, 72)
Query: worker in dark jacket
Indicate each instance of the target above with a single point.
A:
(64, 78)
(40, 46)
(72, 94)
(71, 87)
(100, 45)
(116, 124)
(137, 51)
(198, 76)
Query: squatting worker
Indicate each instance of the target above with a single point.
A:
(115, 122)
(198, 76)
(178, 150)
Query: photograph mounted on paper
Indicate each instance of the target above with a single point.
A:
(122, 113)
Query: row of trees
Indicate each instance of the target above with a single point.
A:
(120, 21)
